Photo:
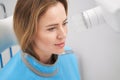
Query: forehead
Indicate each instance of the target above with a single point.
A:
(54, 14)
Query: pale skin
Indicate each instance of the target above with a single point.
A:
(51, 33)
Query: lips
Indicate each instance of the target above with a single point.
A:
(61, 45)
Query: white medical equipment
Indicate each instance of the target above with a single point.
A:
(107, 12)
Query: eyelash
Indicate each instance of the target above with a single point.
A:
(51, 29)
(65, 23)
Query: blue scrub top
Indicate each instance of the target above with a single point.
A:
(25, 67)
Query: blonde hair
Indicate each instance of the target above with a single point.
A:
(26, 15)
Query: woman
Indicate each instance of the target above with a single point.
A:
(41, 28)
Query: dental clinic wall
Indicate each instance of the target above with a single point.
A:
(97, 49)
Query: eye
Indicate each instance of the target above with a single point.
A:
(65, 23)
(51, 29)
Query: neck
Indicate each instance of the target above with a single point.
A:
(43, 57)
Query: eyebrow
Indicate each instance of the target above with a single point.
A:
(56, 23)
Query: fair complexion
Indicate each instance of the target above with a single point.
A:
(51, 33)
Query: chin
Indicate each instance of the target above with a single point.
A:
(59, 51)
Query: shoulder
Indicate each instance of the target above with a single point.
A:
(69, 62)
(67, 50)
(11, 67)
(68, 54)
(15, 59)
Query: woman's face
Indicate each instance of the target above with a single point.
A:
(51, 31)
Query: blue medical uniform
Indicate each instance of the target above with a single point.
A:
(25, 67)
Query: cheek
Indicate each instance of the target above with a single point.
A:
(66, 30)
(45, 39)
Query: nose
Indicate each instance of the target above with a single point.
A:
(62, 32)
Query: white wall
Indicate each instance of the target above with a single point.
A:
(98, 49)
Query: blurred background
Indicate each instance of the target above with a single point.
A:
(97, 48)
